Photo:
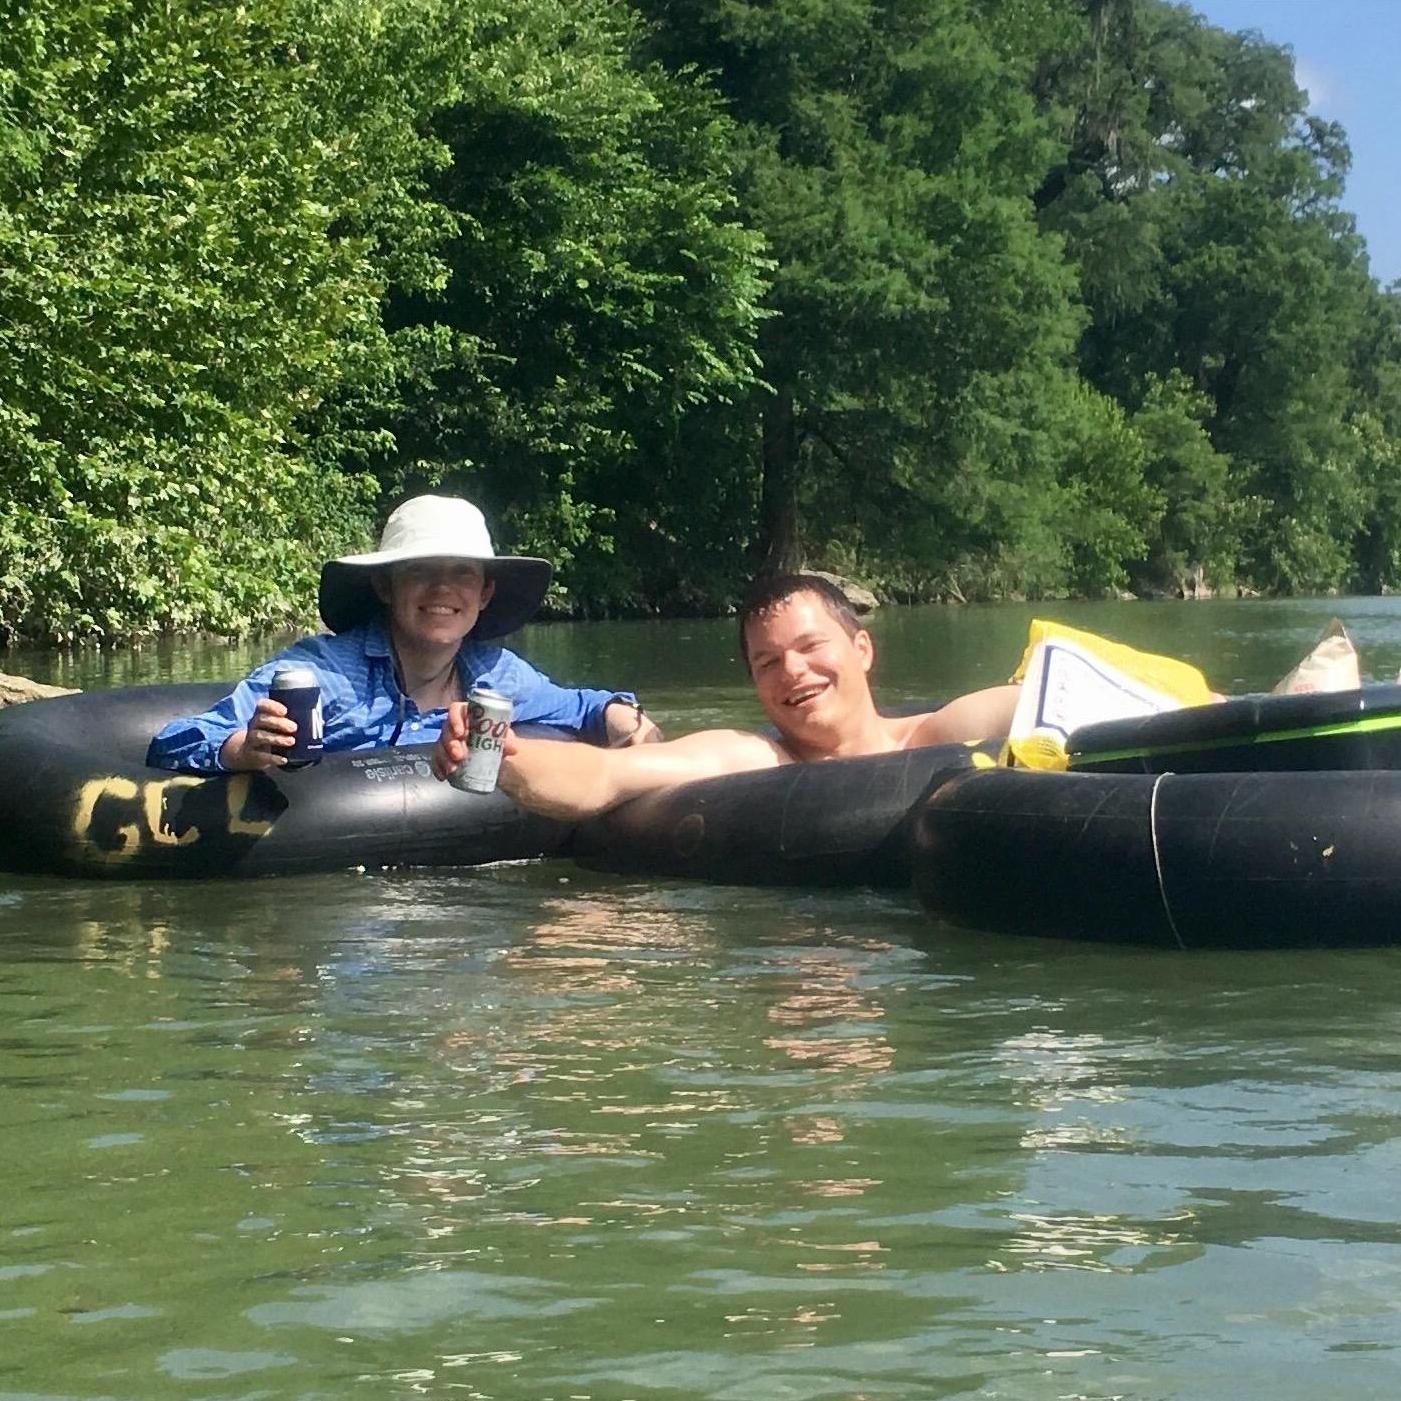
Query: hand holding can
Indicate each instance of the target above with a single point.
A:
(296, 688)
(488, 718)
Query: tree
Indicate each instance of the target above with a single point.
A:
(598, 285)
(174, 297)
(888, 152)
(1200, 202)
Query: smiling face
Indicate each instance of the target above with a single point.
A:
(433, 603)
(810, 674)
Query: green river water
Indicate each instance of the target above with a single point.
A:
(535, 1134)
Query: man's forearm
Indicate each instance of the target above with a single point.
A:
(978, 715)
(574, 781)
(567, 781)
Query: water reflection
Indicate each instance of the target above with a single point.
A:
(530, 1132)
(1101, 1243)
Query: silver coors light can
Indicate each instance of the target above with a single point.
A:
(488, 715)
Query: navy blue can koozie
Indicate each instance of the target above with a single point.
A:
(296, 688)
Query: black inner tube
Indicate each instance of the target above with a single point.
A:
(1357, 729)
(77, 798)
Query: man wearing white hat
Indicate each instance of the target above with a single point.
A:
(412, 629)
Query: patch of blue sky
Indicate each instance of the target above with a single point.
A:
(1345, 58)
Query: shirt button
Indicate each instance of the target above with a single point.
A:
(415, 725)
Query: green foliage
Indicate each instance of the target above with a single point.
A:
(599, 287)
(1376, 431)
(1228, 292)
(170, 300)
(967, 298)
(1199, 534)
(911, 289)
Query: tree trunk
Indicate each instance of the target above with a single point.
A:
(779, 549)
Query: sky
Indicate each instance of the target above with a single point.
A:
(1347, 55)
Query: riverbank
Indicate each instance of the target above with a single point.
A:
(16, 690)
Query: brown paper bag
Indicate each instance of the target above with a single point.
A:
(1331, 666)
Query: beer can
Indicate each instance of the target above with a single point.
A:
(296, 687)
(488, 717)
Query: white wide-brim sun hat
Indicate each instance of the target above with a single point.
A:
(435, 527)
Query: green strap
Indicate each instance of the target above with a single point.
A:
(1368, 724)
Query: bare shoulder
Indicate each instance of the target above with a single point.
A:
(979, 715)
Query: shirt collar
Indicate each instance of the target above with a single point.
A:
(376, 644)
(377, 640)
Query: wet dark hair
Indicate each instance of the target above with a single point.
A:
(768, 594)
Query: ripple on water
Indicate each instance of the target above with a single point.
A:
(423, 1132)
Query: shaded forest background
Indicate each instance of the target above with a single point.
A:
(961, 298)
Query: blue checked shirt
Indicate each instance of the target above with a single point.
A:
(362, 705)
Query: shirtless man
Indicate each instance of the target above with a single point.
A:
(809, 659)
